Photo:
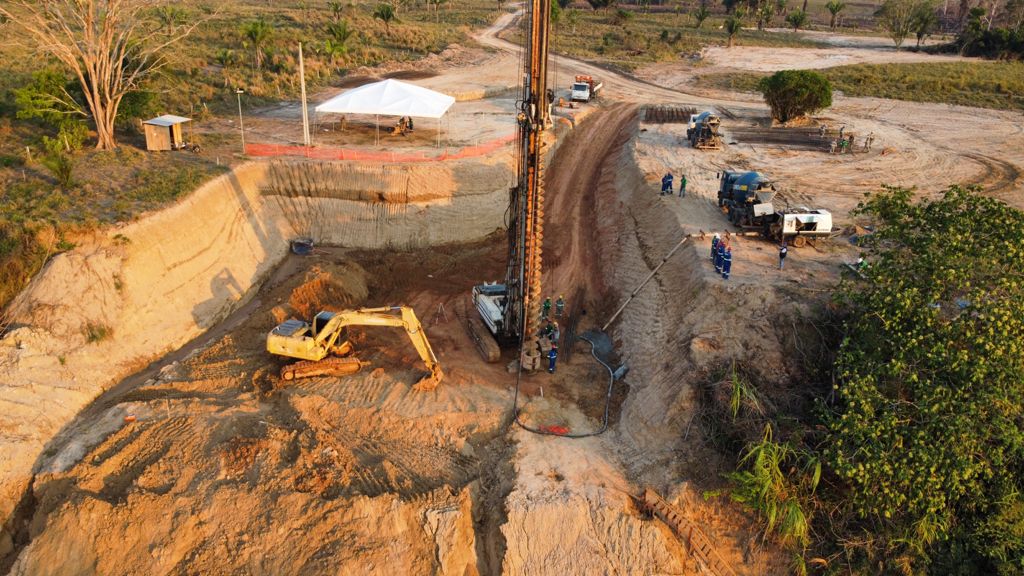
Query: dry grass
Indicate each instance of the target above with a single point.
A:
(996, 85)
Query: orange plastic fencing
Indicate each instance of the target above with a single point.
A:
(318, 153)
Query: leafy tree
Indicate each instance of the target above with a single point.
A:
(48, 97)
(556, 14)
(924, 21)
(386, 14)
(794, 93)
(927, 432)
(834, 7)
(796, 19)
(111, 56)
(897, 18)
(733, 24)
(257, 32)
(700, 15)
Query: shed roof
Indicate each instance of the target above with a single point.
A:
(167, 120)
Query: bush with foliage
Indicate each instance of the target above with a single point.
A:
(928, 435)
(794, 93)
(977, 39)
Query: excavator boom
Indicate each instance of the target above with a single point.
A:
(314, 343)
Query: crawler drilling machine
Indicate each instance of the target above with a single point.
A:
(509, 313)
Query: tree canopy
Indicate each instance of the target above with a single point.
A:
(794, 93)
(928, 434)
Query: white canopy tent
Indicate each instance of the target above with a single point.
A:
(389, 98)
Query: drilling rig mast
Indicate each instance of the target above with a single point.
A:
(512, 311)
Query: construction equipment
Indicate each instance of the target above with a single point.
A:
(314, 342)
(585, 88)
(703, 131)
(510, 312)
(746, 197)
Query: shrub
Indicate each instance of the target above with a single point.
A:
(794, 93)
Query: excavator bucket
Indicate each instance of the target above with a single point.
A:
(428, 383)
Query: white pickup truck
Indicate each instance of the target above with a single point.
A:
(585, 88)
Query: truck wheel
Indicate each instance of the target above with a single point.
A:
(799, 241)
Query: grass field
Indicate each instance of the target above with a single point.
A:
(997, 85)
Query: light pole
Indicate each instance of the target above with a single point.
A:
(241, 127)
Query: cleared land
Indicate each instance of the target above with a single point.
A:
(205, 462)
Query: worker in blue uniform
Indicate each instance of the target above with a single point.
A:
(714, 245)
(726, 263)
(719, 256)
(666, 184)
(552, 357)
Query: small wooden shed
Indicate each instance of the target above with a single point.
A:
(164, 132)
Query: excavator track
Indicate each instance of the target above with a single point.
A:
(326, 367)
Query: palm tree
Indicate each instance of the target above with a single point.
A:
(257, 32)
(834, 8)
(385, 13)
(700, 15)
(169, 17)
(340, 33)
(337, 8)
(796, 19)
(733, 24)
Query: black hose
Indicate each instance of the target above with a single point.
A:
(607, 400)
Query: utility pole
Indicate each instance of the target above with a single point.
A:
(305, 111)
(241, 126)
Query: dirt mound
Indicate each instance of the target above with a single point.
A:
(333, 288)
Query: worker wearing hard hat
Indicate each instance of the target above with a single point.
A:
(714, 245)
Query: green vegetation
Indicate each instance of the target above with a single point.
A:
(794, 93)
(919, 450)
(978, 39)
(998, 85)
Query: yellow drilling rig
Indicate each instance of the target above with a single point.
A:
(509, 313)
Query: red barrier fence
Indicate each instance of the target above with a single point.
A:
(318, 153)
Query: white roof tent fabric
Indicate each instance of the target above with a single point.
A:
(167, 120)
(389, 98)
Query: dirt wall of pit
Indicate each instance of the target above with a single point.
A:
(105, 309)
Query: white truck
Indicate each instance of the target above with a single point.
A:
(585, 88)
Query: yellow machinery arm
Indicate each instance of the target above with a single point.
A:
(301, 342)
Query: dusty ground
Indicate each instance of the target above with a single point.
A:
(213, 467)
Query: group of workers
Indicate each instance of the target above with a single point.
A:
(666, 185)
(721, 255)
(845, 142)
(550, 330)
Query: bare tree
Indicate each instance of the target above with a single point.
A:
(108, 45)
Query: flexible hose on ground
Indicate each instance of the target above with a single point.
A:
(607, 400)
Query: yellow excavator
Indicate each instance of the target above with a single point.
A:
(313, 343)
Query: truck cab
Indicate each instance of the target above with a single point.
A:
(580, 92)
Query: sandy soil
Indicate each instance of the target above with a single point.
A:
(207, 464)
